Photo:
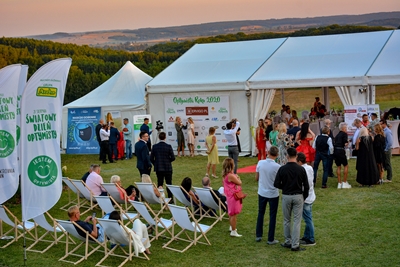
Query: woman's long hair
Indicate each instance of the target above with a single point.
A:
(227, 166)
(304, 130)
(378, 130)
(281, 129)
(176, 119)
(187, 184)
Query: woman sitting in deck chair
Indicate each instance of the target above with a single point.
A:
(159, 192)
(138, 233)
(187, 185)
(131, 192)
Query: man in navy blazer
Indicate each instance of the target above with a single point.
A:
(112, 141)
(145, 128)
(142, 154)
(161, 156)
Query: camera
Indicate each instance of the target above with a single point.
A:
(159, 125)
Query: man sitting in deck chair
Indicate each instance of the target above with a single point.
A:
(207, 184)
(94, 230)
(140, 236)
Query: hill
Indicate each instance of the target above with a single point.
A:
(140, 39)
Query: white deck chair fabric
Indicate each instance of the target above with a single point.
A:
(206, 197)
(87, 241)
(80, 198)
(120, 236)
(176, 191)
(17, 227)
(147, 192)
(87, 194)
(153, 221)
(55, 231)
(182, 218)
(105, 204)
(112, 190)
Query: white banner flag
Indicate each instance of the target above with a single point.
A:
(41, 113)
(9, 79)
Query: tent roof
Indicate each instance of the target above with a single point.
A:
(330, 60)
(217, 66)
(386, 68)
(124, 88)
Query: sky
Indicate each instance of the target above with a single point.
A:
(33, 17)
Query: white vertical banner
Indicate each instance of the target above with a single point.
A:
(21, 88)
(41, 113)
(207, 110)
(9, 79)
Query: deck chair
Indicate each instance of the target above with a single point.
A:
(215, 208)
(17, 227)
(112, 190)
(88, 195)
(80, 200)
(152, 220)
(107, 207)
(54, 233)
(176, 191)
(147, 192)
(119, 235)
(182, 217)
(88, 242)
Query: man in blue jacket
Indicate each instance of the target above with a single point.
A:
(142, 153)
(112, 141)
(145, 128)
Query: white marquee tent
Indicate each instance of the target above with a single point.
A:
(124, 92)
(249, 71)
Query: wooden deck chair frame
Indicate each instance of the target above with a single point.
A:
(182, 217)
(206, 198)
(147, 193)
(112, 190)
(116, 232)
(17, 227)
(176, 191)
(152, 219)
(106, 207)
(54, 233)
(80, 200)
(87, 193)
(88, 242)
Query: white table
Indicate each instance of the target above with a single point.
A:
(394, 129)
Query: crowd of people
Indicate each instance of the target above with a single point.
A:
(288, 160)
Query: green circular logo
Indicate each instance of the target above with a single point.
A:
(7, 144)
(42, 171)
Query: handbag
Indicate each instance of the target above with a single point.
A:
(239, 195)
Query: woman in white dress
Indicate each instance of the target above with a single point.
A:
(191, 136)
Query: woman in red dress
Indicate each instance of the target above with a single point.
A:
(121, 145)
(260, 139)
(304, 138)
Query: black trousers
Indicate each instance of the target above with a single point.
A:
(168, 180)
(105, 151)
(142, 171)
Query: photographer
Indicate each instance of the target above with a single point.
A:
(104, 145)
(230, 136)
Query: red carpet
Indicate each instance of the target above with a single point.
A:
(247, 169)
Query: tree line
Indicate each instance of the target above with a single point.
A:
(93, 66)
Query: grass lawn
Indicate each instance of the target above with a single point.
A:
(353, 227)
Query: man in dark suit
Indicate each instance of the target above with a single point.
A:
(142, 154)
(207, 184)
(98, 128)
(112, 141)
(293, 131)
(145, 128)
(161, 156)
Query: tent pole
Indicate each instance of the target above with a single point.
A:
(325, 97)
(283, 96)
(248, 95)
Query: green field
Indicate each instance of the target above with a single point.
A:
(353, 227)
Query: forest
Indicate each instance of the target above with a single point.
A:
(93, 66)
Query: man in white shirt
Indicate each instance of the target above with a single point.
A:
(230, 136)
(286, 115)
(308, 236)
(105, 145)
(323, 148)
(358, 124)
(265, 175)
(94, 181)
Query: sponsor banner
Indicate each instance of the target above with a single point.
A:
(137, 123)
(206, 110)
(9, 81)
(41, 113)
(81, 132)
(352, 112)
(21, 87)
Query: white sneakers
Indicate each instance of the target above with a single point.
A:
(344, 185)
(235, 234)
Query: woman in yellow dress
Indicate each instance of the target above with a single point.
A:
(212, 151)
